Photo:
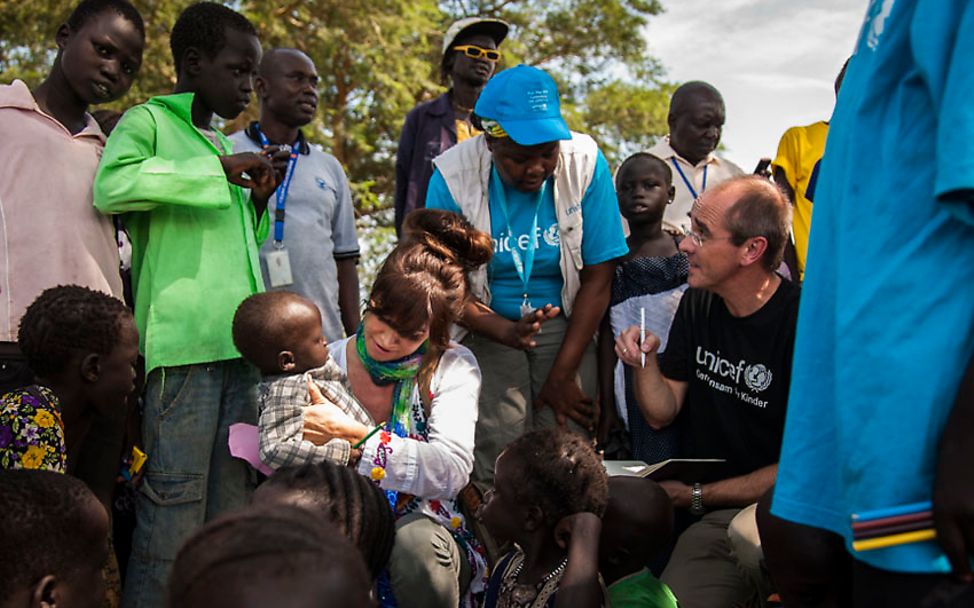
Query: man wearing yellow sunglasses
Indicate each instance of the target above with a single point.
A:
(470, 57)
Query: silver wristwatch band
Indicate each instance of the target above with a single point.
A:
(696, 499)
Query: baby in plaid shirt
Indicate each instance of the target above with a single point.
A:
(279, 332)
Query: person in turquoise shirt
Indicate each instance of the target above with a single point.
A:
(881, 409)
(195, 234)
(545, 195)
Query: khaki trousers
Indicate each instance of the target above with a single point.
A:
(427, 568)
(717, 562)
(511, 379)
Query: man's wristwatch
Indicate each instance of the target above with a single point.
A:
(696, 500)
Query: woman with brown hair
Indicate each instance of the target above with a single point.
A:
(423, 389)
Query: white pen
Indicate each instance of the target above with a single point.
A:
(642, 335)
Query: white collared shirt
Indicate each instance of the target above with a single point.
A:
(677, 215)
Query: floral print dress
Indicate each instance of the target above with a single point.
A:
(31, 431)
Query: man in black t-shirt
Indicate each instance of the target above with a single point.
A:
(725, 376)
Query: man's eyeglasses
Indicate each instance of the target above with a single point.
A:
(699, 239)
(475, 52)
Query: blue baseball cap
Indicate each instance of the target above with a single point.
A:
(524, 101)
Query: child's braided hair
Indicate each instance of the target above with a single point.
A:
(356, 506)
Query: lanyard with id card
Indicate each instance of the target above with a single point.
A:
(689, 185)
(524, 267)
(278, 261)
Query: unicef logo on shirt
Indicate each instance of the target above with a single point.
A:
(551, 236)
(757, 377)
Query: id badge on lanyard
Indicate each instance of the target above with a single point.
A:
(279, 267)
(523, 267)
(689, 184)
(278, 261)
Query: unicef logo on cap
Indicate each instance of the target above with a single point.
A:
(538, 100)
(757, 377)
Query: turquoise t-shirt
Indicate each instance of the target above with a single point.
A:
(886, 325)
(602, 237)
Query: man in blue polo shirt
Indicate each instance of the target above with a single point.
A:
(881, 411)
(312, 249)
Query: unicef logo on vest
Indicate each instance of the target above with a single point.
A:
(757, 377)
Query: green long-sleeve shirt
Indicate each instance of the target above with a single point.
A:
(194, 235)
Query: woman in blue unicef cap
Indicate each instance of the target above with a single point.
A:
(545, 195)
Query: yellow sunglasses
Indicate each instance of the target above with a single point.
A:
(476, 52)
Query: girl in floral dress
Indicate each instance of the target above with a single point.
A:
(82, 346)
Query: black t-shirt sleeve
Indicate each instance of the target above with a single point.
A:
(675, 362)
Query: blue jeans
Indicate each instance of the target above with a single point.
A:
(190, 476)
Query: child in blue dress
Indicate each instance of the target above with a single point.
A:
(651, 278)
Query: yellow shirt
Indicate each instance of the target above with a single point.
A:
(800, 148)
(465, 131)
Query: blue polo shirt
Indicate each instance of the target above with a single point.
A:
(602, 236)
(886, 324)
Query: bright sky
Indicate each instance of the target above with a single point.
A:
(774, 61)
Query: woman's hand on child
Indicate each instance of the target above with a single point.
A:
(628, 348)
(324, 421)
(521, 335)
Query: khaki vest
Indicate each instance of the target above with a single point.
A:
(466, 170)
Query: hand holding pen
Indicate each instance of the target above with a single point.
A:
(632, 347)
(642, 335)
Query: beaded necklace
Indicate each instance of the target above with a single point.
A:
(520, 595)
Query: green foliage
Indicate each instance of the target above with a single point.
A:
(611, 87)
(626, 118)
(378, 58)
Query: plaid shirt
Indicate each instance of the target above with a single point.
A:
(282, 402)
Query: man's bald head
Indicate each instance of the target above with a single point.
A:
(754, 207)
(287, 86)
(696, 118)
(275, 59)
(687, 95)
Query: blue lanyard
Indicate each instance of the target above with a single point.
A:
(283, 188)
(524, 268)
(690, 187)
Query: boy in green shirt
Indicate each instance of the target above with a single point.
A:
(636, 527)
(195, 235)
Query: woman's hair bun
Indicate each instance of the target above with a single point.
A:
(449, 236)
